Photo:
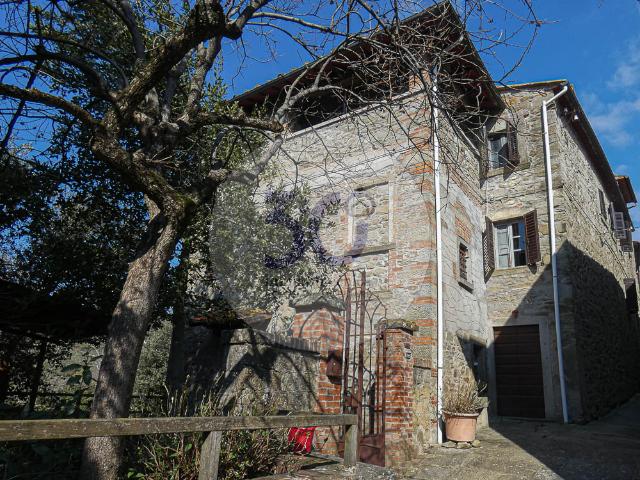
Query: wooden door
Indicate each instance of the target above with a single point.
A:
(519, 371)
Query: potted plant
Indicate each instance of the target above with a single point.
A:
(461, 409)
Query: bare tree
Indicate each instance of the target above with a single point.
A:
(139, 77)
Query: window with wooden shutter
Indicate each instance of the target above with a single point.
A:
(531, 237)
(612, 215)
(488, 249)
(603, 204)
(619, 227)
(512, 142)
(627, 243)
(510, 243)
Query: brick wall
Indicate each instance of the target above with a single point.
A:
(326, 329)
(399, 402)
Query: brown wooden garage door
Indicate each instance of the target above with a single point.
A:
(519, 371)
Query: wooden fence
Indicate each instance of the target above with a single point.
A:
(16, 430)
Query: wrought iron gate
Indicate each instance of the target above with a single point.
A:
(364, 366)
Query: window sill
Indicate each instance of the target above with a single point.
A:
(357, 252)
(465, 284)
(494, 172)
(510, 270)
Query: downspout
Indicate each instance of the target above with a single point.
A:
(554, 262)
(439, 307)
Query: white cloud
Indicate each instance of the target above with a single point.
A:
(612, 121)
(627, 73)
(621, 169)
(615, 114)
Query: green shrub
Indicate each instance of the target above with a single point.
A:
(244, 454)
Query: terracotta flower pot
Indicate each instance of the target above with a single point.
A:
(461, 427)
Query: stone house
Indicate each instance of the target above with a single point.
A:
(596, 265)
(376, 348)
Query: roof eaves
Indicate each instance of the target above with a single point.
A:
(300, 69)
(539, 84)
(598, 157)
(626, 187)
(444, 4)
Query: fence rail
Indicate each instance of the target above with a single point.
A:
(18, 430)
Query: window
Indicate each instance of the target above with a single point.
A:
(501, 148)
(464, 265)
(603, 205)
(463, 255)
(510, 244)
(498, 150)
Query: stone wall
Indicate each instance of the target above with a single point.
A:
(589, 259)
(523, 295)
(607, 344)
(386, 224)
(263, 369)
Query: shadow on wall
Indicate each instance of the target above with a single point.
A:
(601, 346)
(253, 371)
(601, 339)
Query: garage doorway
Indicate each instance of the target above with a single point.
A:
(519, 383)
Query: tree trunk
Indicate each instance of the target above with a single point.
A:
(102, 456)
(37, 375)
(176, 362)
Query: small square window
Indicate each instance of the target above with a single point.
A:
(463, 255)
(464, 266)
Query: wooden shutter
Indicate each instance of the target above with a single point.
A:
(488, 251)
(484, 152)
(512, 145)
(603, 204)
(627, 243)
(620, 231)
(531, 237)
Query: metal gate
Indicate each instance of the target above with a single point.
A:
(364, 366)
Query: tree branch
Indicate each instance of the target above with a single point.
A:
(41, 54)
(32, 78)
(299, 21)
(239, 119)
(125, 13)
(37, 96)
(66, 41)
(206, 57)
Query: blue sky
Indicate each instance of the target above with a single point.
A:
(595, 44)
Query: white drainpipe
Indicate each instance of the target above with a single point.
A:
(439, 312)
(554, 262)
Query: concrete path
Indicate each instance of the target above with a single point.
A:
(605, 449)
(327, 467)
